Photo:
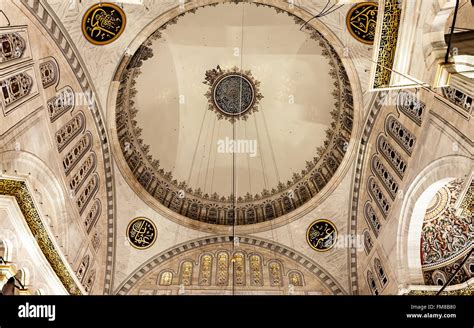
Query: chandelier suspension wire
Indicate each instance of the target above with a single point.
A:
(215, 157)
(209, 154)
(271, 146)
(197, 145)
(262, 161)
(234, 180)
(203, 150)
(272, 222)
(248, 160)
(326, 11)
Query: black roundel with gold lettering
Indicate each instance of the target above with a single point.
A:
(321, 235)
(141, 233)
(103, 23)
(362, 20)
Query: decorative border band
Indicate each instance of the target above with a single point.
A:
(392, 12)
(19, 190)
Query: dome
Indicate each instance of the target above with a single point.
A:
(229, 122)
(447, 236)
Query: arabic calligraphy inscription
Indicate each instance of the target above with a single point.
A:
(321, 235)
(103, 23)
(141, 233)
(362, 20)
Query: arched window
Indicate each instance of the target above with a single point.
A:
(269, 211)
(96, 240)
(368, 243)
(256, 277)
(230, 216)
(81, 271)
(378, 196)
(372, 219)
(411, 106)
(458, 98)
(392, 156)
(332, 164)
(381, 274)
(186, 273)
(89, 282)
(12, 46)
(318, 181)
(274, 269)
(287, 204)
(83, 172)
(49, 73)
(92, 216)
(166, 278)
(87, 193)
(342, 144)
(160, 192)
(304, 193)
(75, 154)
(384, 176)
(205, 270)
(212, 215)
(61, 103)
(295, 278)
(194, 211)
(176, 202)
(250, 215)
(222, 271)
(372, 284)
(239, 269)
(70, 130)
(347, 122)
(15, 88)
(145, 178)
(402, 136)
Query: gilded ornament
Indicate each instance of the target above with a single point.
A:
(361, 21)
(103, 23)
(19, 190)
(321, 235)
(141, 233)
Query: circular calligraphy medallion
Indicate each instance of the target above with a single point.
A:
(233, 94)
(141, 233)
(321, 235)
(103, 23)
(362, 21)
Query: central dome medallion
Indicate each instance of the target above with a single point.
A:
(233, 94)
(231, 114)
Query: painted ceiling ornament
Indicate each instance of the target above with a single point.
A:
(103, 23)
(445, 236)
(162, 183)
(233, 94)
(362, 21)
(141, 233)
(321, 235)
